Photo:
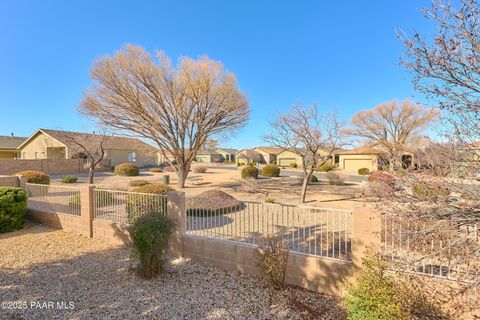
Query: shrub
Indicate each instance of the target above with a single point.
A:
(212, 202)
(313, 178)
(293, 165)
(126, 169)
(199, 168)
(139, 205)
(249, 172)
(33, 176)
(326, 167)
(269, 200)
(13, 206)
(271, 257)
(429, 190)
(138, 183)
(169, 169)
(336, 178)
(270, 170)
(381, 184)
(150, 235)
(155, 169)
(69, 179)
(377, 294)
(363, 171)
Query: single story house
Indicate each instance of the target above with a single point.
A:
(247, 155)
(209, 157)
(268, 154)
(363, 157)
(227, 154)
(57, 144)
(9, 146)
(288, 157)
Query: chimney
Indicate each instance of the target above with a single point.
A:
(11, 134)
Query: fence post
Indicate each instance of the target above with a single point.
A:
(86, 209)
(22, 182)
(366, 232)
(177, 214)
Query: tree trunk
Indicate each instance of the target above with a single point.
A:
(91, 174)
(303, 195)
(182, 173)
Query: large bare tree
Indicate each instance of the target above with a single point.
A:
(312, 135)
(177, 108)
(393, 127)
(446, 66)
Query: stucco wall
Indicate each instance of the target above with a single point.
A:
(144, 157)
(287, 157)
(9, 154)
(39, 144)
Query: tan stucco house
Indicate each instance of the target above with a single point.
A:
(268, 154)
(227, 154)
(363, 157)
(287, 158)
(57, 144)
(9, 146)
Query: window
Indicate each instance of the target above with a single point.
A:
(36, 155)
(24, 156)
(132, 157)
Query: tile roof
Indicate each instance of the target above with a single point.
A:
(271, 150)
(362, 150)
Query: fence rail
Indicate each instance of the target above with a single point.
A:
(432, 247)
(309, 230)
(52, 198)
(125, 207)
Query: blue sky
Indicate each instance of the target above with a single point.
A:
(342, 55)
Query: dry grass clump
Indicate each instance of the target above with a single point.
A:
(199, 168)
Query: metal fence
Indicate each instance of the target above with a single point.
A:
(439, 248)
(125, 207)
(52, 198)
(309, 230)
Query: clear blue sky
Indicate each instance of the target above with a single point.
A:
(342, 55)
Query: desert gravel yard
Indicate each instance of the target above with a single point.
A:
(40, 265)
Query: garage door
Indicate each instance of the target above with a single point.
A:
(286, 161)
(355, 164)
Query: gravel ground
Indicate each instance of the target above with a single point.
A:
(39, 265)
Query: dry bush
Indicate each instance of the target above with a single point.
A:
(155, 169)
(271, 257)
(336, 178)
(249, 185)
(199, 168)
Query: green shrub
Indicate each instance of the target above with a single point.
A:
(270, 170)
(127, 169)
(150, 235)
(269, 200)
(293, 165)
(249, 172)
(13, 206)
(374, 295)
(138, 183)
(313, 178)
(363, 171)
(155, 169)
(33, 176)
(377, 294)
(326, 167)
(139, 205)
(69, 179)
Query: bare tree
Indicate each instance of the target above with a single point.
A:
(88, 147)
(177, 108)
(312, 135)
(392, 127)
(446, 66)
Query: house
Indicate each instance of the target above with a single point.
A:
(57, 144)
(248, 155)
(9, 146)
(209, 157)
(227, 154)
(268, 154)
(363, 157)
(287, 157)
